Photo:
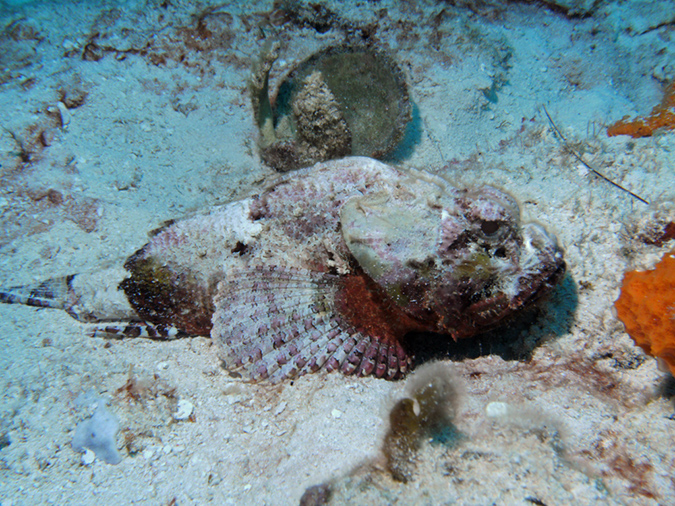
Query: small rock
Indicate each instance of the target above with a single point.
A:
(496, 409)
(184, 410)
(88, 457)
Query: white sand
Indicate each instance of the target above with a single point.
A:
(166, 128)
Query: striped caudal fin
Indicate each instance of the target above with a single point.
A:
(51, 293)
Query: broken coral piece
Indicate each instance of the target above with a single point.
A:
(322, 132)
(646, 307)
(662, 116)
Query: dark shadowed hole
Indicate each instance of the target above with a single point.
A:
(490, 227)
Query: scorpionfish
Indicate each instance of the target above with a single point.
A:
(328, 268)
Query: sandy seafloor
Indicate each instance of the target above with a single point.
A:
(155, 122)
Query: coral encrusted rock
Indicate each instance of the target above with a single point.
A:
(356, 94)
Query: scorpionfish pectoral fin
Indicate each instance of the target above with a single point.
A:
(276, 323)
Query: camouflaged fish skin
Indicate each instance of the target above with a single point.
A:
(328, 268)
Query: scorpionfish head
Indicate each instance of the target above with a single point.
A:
(455, 261)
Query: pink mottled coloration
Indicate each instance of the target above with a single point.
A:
(329, 268)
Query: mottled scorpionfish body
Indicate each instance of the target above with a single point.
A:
(328, 268)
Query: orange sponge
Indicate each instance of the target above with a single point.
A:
(662, 116)
(646, 306)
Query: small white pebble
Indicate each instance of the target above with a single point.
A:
(65, 113)
(147, 454)
(183, 410)
(167, 449)
(336, 413)
(416, 407)
(162, 366)
(280, 408)
(88, 457)
(234, 399)
(496, 409)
